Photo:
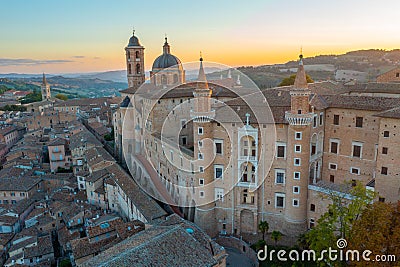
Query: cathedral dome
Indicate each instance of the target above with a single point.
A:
(166, 60)
(133, 41)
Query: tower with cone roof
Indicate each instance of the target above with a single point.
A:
(298, 152)
(134, 52)
(45, 89)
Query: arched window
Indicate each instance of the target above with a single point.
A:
(137, 54)
(175, 78)
(163, 79)
(129, 69)
(137, 68)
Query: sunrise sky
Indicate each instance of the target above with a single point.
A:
(90, 35)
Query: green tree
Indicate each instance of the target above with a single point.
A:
(378, 230)
(61, 96)
(263, 226)
(290, 80)
(344, 210)
(276, 236)
(35, 96)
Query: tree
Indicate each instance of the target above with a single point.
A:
(344, 210)
(263, 226)
(378, 230)
(276, 236)
(61, 96)
(290, 80)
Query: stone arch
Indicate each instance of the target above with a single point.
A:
(246, 221)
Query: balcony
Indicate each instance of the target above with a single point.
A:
(202, 117)
(298, 119)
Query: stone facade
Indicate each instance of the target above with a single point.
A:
(390, 76)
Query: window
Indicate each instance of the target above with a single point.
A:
(183, 124)
(296, 175)
(200, 142)
(279, 176)
(219, 194)
(184, 140)
(355, 170)
(298, 136)
(201, 194)
(334, 146)
(12, 194)
(386, 134)
(297, 162)
(315, 121)
(201, 181)
(297, 148)
(359, 122)
(397, 74)
(200, 156)
(357, 149)
(312, 223)
(384, 150)
(332, 178)
(279, 200)
(201, 169)
(13, 201)
(332, 166)
(218, 146)
(381, 199)
(312, 207)
(336, 119)
(384, 170)
(295, 202)
(296, 189)
(321, 119)
(280, 150)
(200, 130)
(218, 171)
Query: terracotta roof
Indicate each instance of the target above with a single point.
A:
(144, 203)
(102, 228)
(361, 102)
(392, 113)
(44, 247)
(156, 246)
(22, 183)
(82, 138)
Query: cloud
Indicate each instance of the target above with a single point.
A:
(30, 62)
(97, 58)
(78, 56)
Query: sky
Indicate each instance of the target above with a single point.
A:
(71, 36)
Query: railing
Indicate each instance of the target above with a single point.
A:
(248, 158)
(298, 119)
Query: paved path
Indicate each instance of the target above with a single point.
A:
(237, 259)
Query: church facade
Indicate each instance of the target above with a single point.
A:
(229, 173)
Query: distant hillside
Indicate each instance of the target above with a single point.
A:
(73, 87)
(115, 75)
(362, 65)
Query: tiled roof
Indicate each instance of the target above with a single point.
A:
(145, 204)
(361, 102)
(392, 113)
(22, 183)
(103, 228)
(57, 142)
(44, 247)
(82, 138)
(156, 246)
(82, 247)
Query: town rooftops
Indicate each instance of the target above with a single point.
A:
(22, 183)
(83, 138)
(156, 246)
(145, 204)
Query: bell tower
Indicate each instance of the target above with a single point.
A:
(135, 62)
(45, 88)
